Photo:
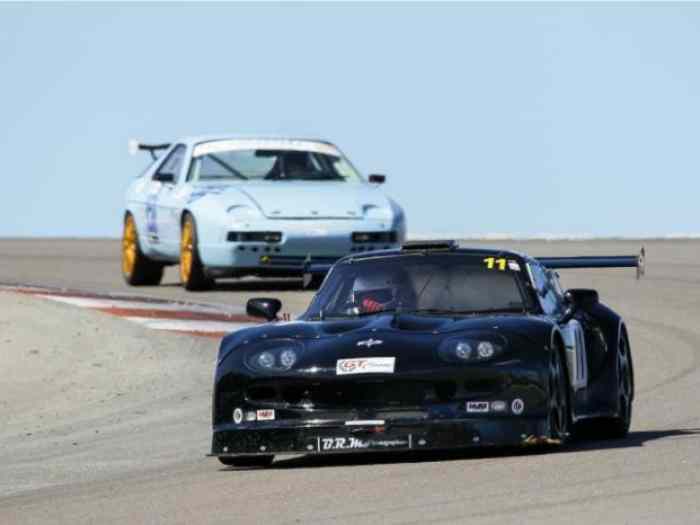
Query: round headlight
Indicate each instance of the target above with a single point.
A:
(266, 360)
(288, 358)
(485, 350)
(463, 350)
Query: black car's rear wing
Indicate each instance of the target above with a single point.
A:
(136, 146)
(597, 261)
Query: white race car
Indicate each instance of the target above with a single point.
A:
(229, 207)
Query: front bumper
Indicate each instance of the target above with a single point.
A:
(405, 436)
(326, 239)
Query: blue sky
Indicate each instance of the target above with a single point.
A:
(487, 118)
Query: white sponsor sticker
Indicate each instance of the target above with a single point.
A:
(265, 415)
(479, 407)
(366, 365)
(513, 266)
(237, 415)
(219, 146)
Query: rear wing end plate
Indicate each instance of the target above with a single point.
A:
(598, 261)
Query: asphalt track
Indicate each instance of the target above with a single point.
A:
(104, 421)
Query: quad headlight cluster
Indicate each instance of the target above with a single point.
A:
(275, 356)
(472, 349)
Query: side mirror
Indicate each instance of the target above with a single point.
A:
(164, 177)
(263, 307)
(377, 179)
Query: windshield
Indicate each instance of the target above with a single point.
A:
(274, 162)
(433, 284)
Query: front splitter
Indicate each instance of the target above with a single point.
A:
(434, 435)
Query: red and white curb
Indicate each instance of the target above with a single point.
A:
(156, 314)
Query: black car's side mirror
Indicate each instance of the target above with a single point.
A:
(263, 307)
(377, 179)
(164, 177)
(578, 299)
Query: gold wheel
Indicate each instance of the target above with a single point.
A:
(186, 251)
(129, 247)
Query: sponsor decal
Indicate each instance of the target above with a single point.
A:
(478, 407)
(354, 443)
(237, 416)
(498, 406)
(151, 215)
(250, 416)
(369, 343)
(265, 415)
(517, 406)
(513, 266)
(366, 365)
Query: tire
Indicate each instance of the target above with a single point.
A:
(137, 269)
(246, 461)
(192, 274)
(559, 413)
(618, 427)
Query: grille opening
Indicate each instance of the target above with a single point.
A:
(377, 394)
(262, 393)
(446, 390)
(269, 237)
(375, 237)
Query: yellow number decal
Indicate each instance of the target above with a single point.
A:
(492, 262)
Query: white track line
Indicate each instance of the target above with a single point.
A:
(187, 325)
(166, 309)
(89, 302)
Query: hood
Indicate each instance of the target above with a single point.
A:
(402, 335)
(313, 200)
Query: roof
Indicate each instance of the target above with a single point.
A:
(495, 252)
(199, 139)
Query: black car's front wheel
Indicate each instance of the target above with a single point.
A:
(246, 461)
(559, 416)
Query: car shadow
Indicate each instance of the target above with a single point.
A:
(245, 285)
(633, 439)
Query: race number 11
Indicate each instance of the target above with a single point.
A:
(492, 262)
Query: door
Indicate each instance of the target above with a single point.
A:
(164, 203)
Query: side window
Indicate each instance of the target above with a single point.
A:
(169, 171)
(547, 288)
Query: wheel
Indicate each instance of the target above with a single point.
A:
(192, 273)
(559, 416)
(618, 427)
(137, 269)
(246, 461)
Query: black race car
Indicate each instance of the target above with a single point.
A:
(428, 347)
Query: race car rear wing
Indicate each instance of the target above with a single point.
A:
(598, 261)
(316, 269)
(135, 146)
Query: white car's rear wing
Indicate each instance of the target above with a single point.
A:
(135, 146)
